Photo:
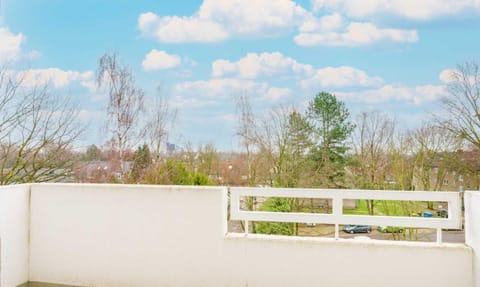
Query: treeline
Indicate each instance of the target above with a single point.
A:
(322, 145)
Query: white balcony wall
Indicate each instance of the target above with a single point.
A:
(472, 229)
(14, 223)
(119, 235)
(114, 235)
(264, 261)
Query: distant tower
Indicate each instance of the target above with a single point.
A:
(171, 147)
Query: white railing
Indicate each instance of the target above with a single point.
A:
(454, 220)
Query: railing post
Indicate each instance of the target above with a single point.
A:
(439, 236)
(337, 210)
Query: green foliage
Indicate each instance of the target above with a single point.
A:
(177, 173)
(201, 179)
(142, 159)
(276, 204)
(297, 166)
(174, 171)
(330, 120)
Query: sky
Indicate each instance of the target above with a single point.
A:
(393, 56)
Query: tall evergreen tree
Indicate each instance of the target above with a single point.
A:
(331, 124)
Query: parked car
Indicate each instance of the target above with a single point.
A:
(425, 214)
(442, 213)
(390, 229)
(357, 229)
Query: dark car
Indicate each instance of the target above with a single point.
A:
(442, 213)
(357, 229)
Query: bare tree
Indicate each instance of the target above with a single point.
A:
(246, 131)
(37, 130)
(284, 141)
(161, 119)
(462, 105)
(208, 159)
(371, 139)
(434, 148)
(401, 162)
(125, 103)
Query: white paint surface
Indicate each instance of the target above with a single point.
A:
(14, 218)
(114, 235)
(264, 261)
(338, 196)
(472, 230)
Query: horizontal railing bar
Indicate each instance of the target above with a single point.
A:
(348, 194)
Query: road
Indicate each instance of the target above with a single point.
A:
(424, 235)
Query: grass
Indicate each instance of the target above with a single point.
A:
(389, 208)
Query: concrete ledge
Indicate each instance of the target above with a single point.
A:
(346, 242)
(42, 284)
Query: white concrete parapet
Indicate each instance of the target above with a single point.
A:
(472, 230)
(135, 235)
(14, 234)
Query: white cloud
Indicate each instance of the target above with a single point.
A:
(325, 24)
(253, 16)
(411, 9)
(447, 75)
(218, 88)
(180, 29)
(340, 77)
(215, 92)
(275, 94)
(54, 76)
(10, 46)
(415, 95)
(355, 34)
(254, 65)
(160, 60)
(274, 65)
(217, 20)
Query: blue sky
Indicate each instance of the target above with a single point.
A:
(387, 55)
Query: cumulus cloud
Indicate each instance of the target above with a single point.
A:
(215, 92)
(274, 94)
(11, 47)
(410, 9)
(414, 95)
(254, 65)
(340, 77)
(217, 20)
(160, 60)
(354, 34)
(324, 24)
(218, 88)
(180, 29)
(447, 75)
(53, 76)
